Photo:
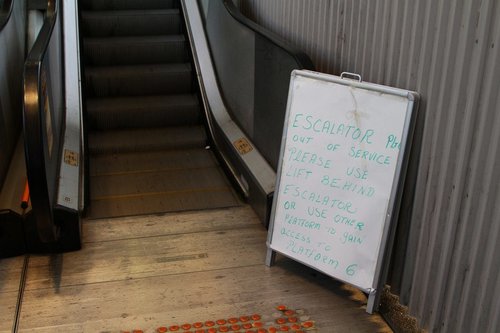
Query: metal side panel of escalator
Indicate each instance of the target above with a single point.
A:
(49, 134)
(244, 71)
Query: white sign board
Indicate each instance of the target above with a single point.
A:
(341, 158)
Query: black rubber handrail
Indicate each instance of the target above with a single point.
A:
(5, 12)
(36, 141)
(300, 57)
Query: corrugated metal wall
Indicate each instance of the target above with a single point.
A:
(447, 260)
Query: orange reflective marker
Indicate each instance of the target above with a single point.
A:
(26, 196)
(256, 317)
(280, 321)
(285, 321)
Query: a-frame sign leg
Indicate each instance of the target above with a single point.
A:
(270, 257)
(373, 301)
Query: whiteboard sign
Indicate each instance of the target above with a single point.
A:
(341, 157)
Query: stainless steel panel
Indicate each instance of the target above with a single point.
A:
(445, 268)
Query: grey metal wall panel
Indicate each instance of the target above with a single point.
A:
(446, 262)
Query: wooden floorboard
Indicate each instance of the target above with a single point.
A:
(168, 224)
(174, 268)
(10, 275)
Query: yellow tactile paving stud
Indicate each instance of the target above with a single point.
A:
(281, 319)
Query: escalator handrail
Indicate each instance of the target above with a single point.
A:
(33, 127)
(300, 57)
(5, 12)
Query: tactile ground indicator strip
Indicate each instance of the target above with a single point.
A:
(283, 319)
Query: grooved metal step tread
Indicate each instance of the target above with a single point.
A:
(125, 71)
(143, 111)
(150, 139)
(139, 80)
(131, 22)
(127, 4)
(136, 39)
(130, 12)
(143, 162)
(164, 181)
(155, 182)
(105, 51)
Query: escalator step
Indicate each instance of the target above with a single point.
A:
(131, 23)
(150, 139)
(128, 4)
(143, 111)
(140, 162)
(155, 181)
(146, 138)
(139, 80)
(135, 50)
(145, 183)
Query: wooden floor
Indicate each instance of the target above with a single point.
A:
(152, 271)
(10, 277)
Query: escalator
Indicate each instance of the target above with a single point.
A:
(148, 147)
(162, 106)
(157, 131)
